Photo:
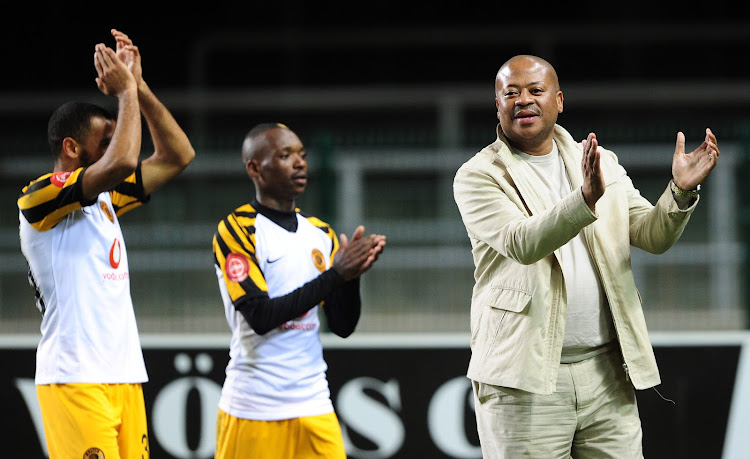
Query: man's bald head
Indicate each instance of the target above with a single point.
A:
(255, 143)
(525, 61)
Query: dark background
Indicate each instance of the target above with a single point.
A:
(635, 71)
(327, 43)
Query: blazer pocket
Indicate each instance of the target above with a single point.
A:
(508, 299)
(502, 302)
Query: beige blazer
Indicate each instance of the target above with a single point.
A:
(518, 304)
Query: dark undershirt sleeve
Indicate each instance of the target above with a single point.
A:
(343, 307)
(264, 313)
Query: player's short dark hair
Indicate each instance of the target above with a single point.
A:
(248, 150)
(263, 127)
(72, 119)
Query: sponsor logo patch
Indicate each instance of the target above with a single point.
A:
(236, 267)
(59, 178)
(115, 254)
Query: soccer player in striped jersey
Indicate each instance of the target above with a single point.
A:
(89, 360)
(276, 265)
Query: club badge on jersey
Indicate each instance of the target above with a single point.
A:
(319, 260)
(107, 212)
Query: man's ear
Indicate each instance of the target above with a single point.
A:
(253, 168)
(70, 148)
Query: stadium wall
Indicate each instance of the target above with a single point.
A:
(404, 396)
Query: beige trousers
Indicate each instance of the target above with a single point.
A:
(592, 414)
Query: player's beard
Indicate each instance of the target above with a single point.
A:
(85, 158)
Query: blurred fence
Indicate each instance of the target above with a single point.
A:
(394, 175)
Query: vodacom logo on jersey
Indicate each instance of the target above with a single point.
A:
(115, 254)
(115, 257)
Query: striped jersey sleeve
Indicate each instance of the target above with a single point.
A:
(129, 194)
(47, 200)
(326, 228)
(234, 253)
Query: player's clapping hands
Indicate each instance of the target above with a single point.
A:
(357, 255)
(129, 54)
(113, 77)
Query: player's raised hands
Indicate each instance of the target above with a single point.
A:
(129, 54)
(113, 76)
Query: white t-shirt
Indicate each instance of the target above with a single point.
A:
(589, 321)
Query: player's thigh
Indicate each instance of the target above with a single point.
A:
(309, 437)
(241, 438)
(321, 437)
(133, 438)
(79, 421)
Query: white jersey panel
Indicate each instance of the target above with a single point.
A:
(89, 331)
(279, 375)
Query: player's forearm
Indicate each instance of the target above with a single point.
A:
(343, 308)
(171, 144)
(264, 314)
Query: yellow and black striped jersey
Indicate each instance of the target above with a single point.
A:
(78, 266)
(46, 200)
(279, 374)
(236, 251)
